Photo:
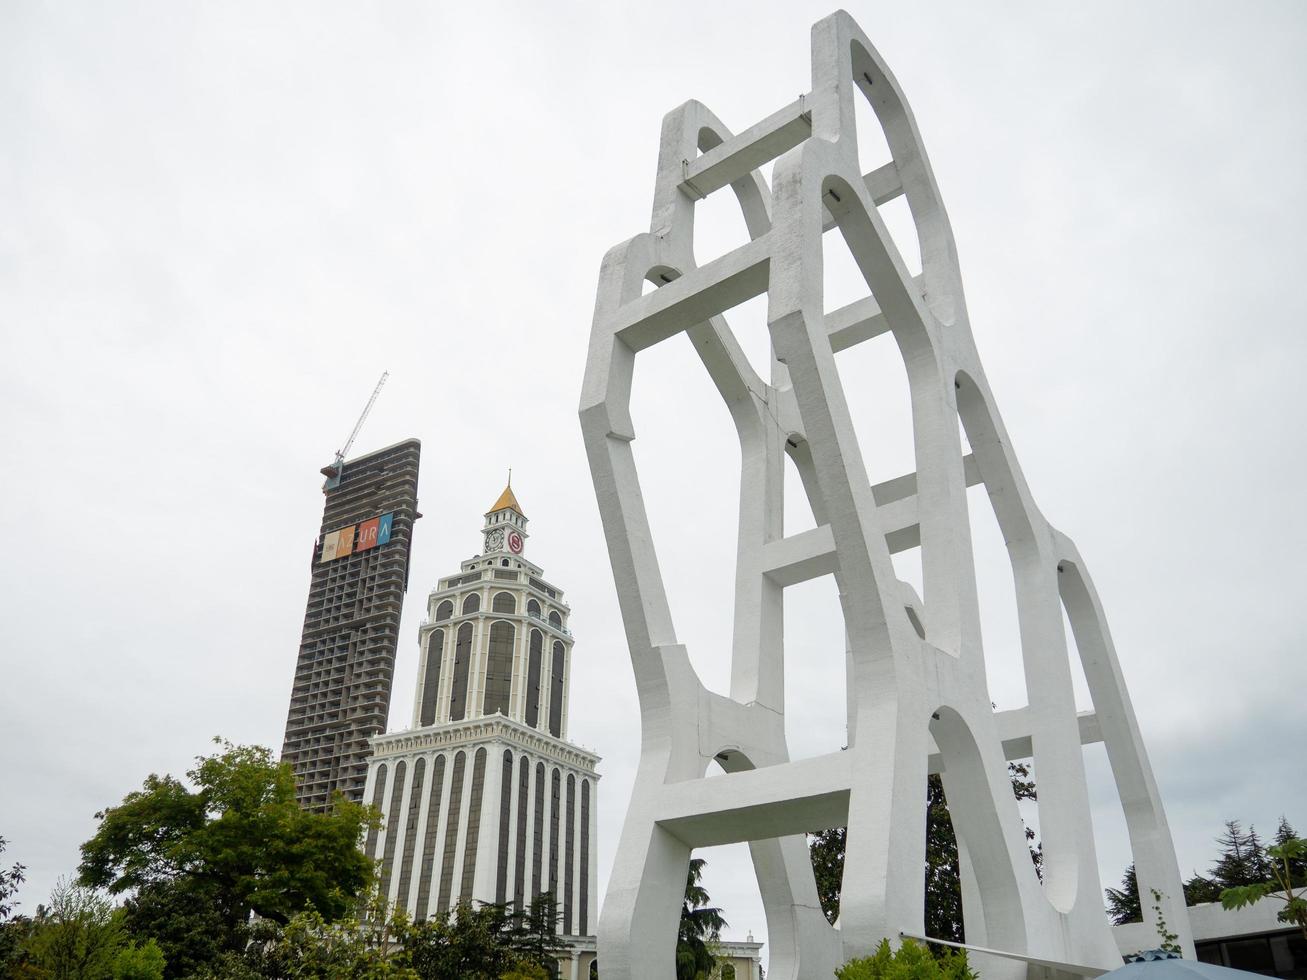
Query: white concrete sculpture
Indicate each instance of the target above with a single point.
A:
(917, 696)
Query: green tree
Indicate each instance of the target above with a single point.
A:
(311, 948)
(1284, 833)
(139, 962)
(911, 961)
(205, 858)
(1281, 858)
(535, 933)
(368, 943)
(701, 926)
(526, 970)
(826, 850)
(1123, 904)
(12, 929)
(1242, 860)
(1199, 890)
(943, 877)
(474, 943)
(9, 882)
(187, 918)
(78, 937)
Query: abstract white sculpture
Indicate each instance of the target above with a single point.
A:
(917, 695)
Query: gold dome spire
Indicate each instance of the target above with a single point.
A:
(506, 499)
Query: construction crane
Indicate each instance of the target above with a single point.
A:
(332, 470)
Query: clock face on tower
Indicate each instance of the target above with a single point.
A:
(495, 540)
(514, 542)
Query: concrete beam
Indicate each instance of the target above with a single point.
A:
(758, 804)
(747, 151)
(692, 298)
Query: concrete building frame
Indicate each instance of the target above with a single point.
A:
(917, 696)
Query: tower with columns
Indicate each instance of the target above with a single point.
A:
(484, 799)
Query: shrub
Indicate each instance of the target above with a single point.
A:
(911, 961)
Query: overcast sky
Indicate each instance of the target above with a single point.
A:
(220, 222)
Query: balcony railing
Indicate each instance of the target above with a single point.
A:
(539, 618)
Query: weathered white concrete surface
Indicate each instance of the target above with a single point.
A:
(917, 695)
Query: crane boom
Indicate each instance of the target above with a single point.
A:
(332, 471)
(340, 455)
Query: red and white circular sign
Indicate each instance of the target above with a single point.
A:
(514, 542)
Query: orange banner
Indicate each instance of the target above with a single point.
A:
(346, 544)
(368, 534)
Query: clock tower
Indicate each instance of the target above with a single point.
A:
(505, 527)
(484, 799)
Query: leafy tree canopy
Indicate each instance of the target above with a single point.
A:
(81, 936)
(11, 932)
(187, 918)
(238, 838)
(139, 962)
(9, 882)
(475, 942)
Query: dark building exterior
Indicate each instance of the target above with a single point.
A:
(341, 694)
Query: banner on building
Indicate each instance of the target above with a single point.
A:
(346, 543)
(371, 534)
(368, 535)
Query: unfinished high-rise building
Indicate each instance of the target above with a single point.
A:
(341, 694)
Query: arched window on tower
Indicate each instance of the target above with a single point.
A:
(556, 693)
(472, 603)
(555, 619)
(534, 656)
(504, 602)
(499, 668)
(431, 682)
(444, 610)
(462, 663)
(533, 608)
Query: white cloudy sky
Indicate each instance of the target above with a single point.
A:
(220, 222)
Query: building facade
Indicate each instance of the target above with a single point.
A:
(1251, 938)
(340, 697)
(483, 798)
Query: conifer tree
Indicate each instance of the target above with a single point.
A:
(1239, 863)
(1199, 891)
(1261, 864)
(1123, 904)
(1285, 833)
